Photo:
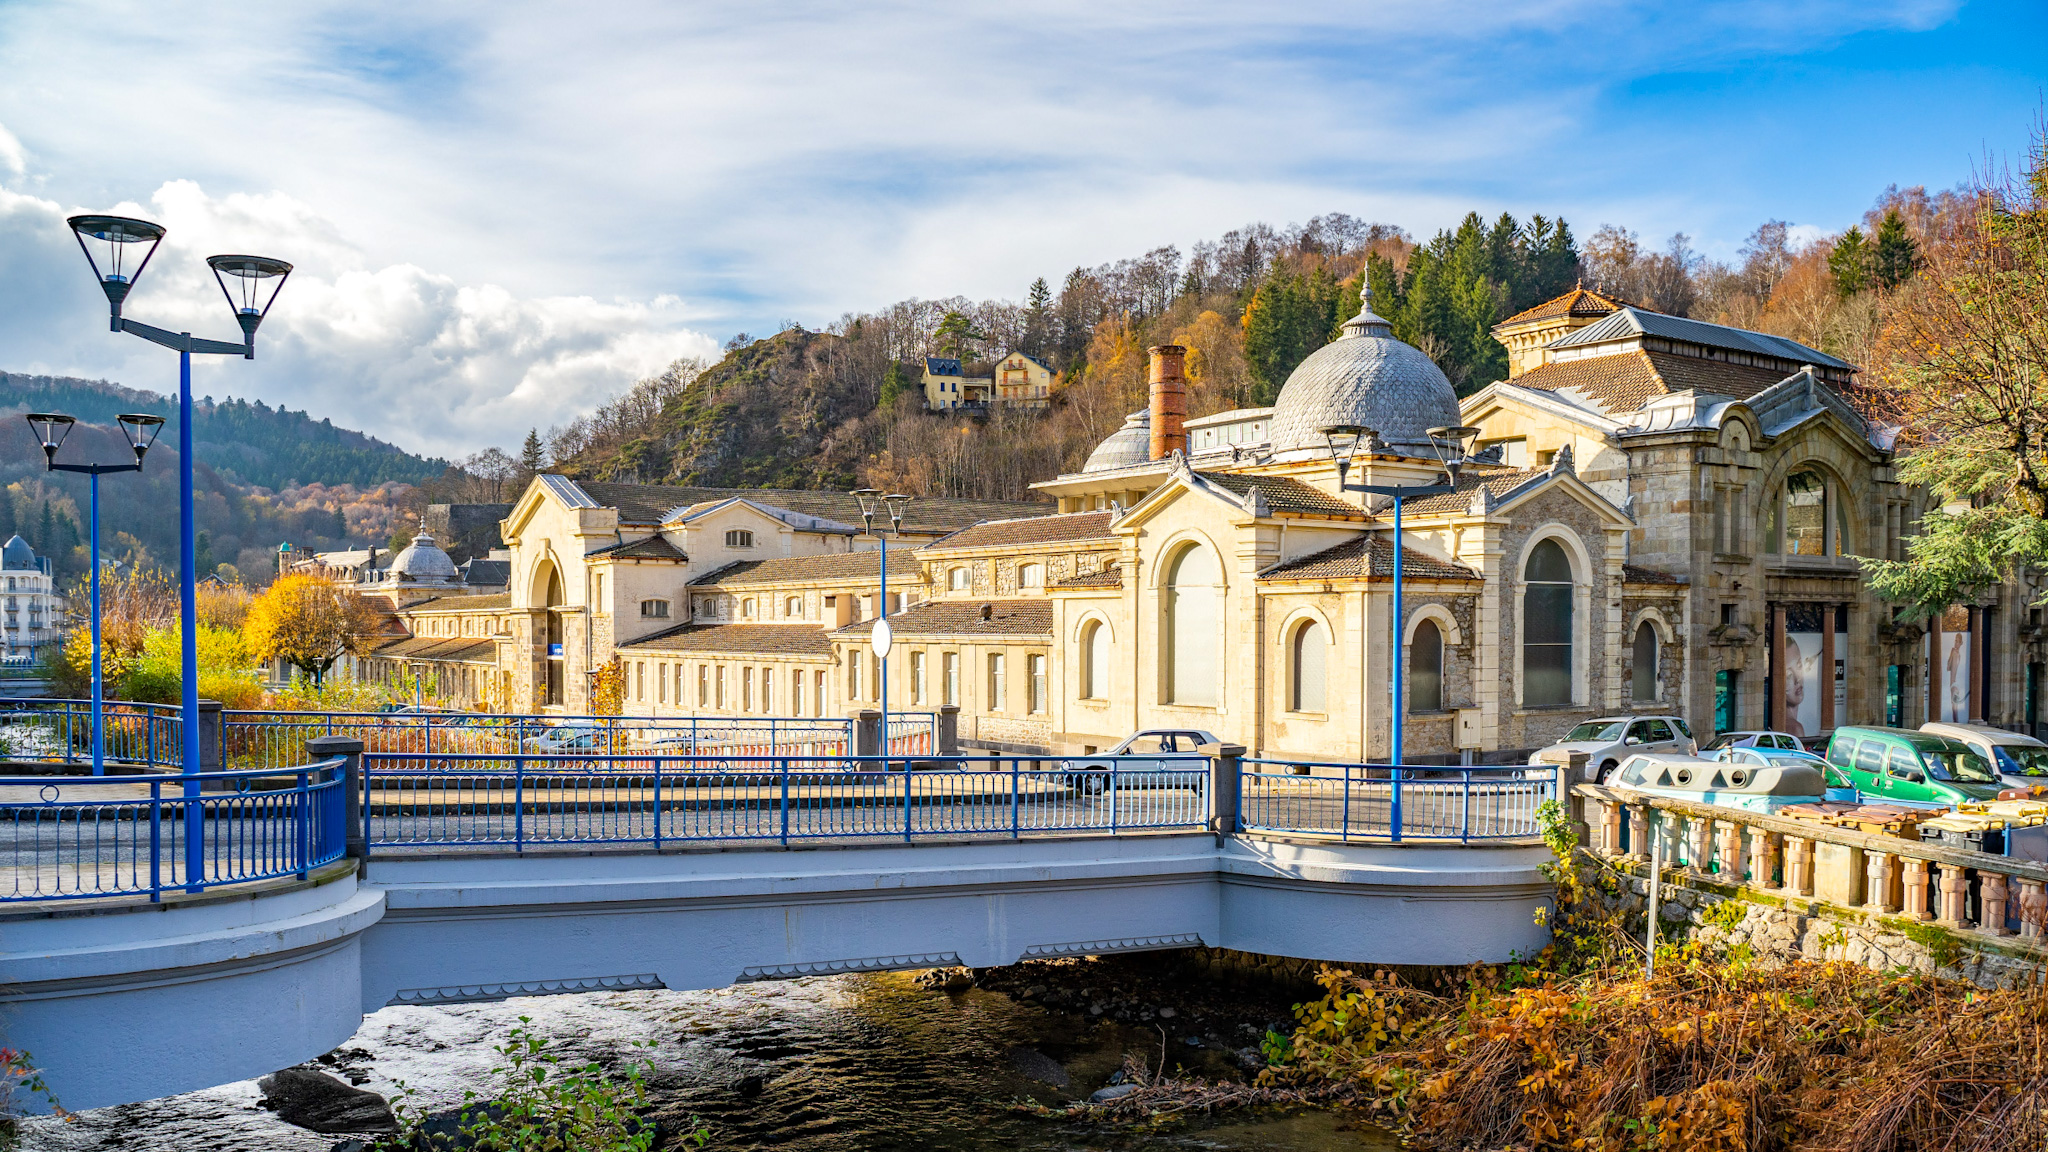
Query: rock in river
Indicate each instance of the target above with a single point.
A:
(1113, 1092)
(318, 1102)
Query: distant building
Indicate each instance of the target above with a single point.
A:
(1016, 380)
(35, 612)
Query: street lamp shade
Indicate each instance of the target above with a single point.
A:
(51, 429)
(870, 503)
(897, 503)
(246, 294)
(142, 429)
(1453, 447)
(114, 235)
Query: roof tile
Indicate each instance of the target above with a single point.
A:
(1286, 496)
(835, 566)
(1350, 559)
(768, 639)
(1631, 574)
(1109, 577)
(655, 547)
(1621, 384)
(1580, 301)
(1058, 529)
(462, 649)
(966, 618)
(649, 503)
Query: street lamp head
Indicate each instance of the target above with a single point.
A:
(142, 429)
(897, 503)
(113, 235)
(1453, 447)
(247, 295)
(1344, 441)
(51, 429)
(870, 503)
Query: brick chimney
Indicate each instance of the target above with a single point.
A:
(1169, 400)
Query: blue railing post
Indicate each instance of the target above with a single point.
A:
(519, 804)
(1345, 826)
(1016, 828)
(1113, 769)
(657, 803)
(1394, 806)
(906, 780)
(785, 798)
(156, 841)
(1465, 810)
(304, 824)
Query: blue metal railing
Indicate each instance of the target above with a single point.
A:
(60, 731)
(1381, 802)
(73, 838)
(528, 801)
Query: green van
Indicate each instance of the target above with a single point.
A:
(1914, 767)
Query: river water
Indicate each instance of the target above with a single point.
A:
(874, 1063)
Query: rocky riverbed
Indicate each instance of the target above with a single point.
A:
(932, 1062)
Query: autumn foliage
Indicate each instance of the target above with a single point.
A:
(309, 623)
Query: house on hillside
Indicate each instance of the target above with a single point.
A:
(1016, 380)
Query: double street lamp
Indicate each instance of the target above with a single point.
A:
(51, 429)
(1452, 446)
(251, 285)
(880, 638)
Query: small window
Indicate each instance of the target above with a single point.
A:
(739, 538)
(1308, 664)
(951, 664)
(1644, 686)
(1426, 668)
(747, 608)
(956, 580)
(654, 609)
(793, 608)
(998, 685)
(1658, 731)
(1037, 668)
(917, 678)
(1031, 576)
(1870, 757)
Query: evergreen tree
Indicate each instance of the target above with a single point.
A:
(1893, 256)
(1290, 315)
(1037, 320)
(894, 382)
(44, 530)
(1850, 262)
(532, 457)
(7, 527)
(956, 335)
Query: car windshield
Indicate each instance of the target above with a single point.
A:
(1724, 740)
(1956, 762)
(1595, 730)
(2021, 759)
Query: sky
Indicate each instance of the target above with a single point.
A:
(500, 214)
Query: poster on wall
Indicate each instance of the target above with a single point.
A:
(1804, 683)
(1953, 667)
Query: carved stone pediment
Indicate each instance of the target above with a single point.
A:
(1732, 635)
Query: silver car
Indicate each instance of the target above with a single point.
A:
(1153, 750)
(1609, 740)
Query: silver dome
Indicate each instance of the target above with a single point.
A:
(1127, 446)
(1369, 378)
(18, 556)
(422, 561)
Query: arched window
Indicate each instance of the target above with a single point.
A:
(1807, 517)
(1547, 627)
(793, 607)
(1030, 576)
(956, 580)
(1426, 668)
(1308, 660)
(1194, 627)
(747, 608)
(1645, 659)
(1094, 661)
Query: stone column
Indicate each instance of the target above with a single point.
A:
(1731, 852)
(1955, 896)
(1610, 828)
(1827, 667)
(350, 750)
(1877, 886)
(211, 758)
(1799, 865)
(1696, 850)
(949, 727)
(1763, 862)
(1776, 709)
(1914, 890)
(1995, 890)
(1639, 830)
(2033, 908)
(1224, 778)
(867, 733)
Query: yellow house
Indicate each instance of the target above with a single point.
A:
(946, 387)
(1023, 381)
(1017, 380)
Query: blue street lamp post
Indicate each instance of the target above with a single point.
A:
(1345, 441)
(141, 430)
(115, 234)
(880, 640)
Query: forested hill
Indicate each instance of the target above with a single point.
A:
(251, 443)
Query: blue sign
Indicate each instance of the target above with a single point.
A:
(554, 649)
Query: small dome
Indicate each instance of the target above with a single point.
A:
(1127, 446)
(16, 556)
(422, 561)
(1365, 377)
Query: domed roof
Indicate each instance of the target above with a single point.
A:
(422, 561)
(1125, 447)
(16, 555)
(1365, 377)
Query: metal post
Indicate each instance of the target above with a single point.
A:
(882, 696)
(188, 628)
(1345, 834)
(657, 803)
(1396, 713)
(519, 804)
(1016, 824)
(785, 802)
(1656, 873)
(99, 740)
(304, 825)
(156, 840)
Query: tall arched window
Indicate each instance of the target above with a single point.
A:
(1547, 627)
(1426, 668)
(1194, 627)
(1644, 686)
(1807, 517)
(956, 580)
(1030, 576)
(1094, 661)
(1308, 659)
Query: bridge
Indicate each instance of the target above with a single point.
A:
(164, 930)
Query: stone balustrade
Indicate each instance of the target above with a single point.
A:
(1797, 859)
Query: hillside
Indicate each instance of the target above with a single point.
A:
(264, 476)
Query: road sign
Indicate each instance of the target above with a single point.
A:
(880, 638)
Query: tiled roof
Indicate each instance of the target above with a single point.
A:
(1632, 322)
(655, 547)
(496, 602)
(836, 566)
(768, 639)
(964, 618)
(460, 649)
(1623, 383)
(942, 366)
(1058, 529)
(1499, 483)
(1579, 301)
(1285, 495)
(648, 503)
(1630, 574)
(1349, 561)
(1110, 577)
(487, 573)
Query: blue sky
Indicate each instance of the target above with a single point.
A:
(501, 213)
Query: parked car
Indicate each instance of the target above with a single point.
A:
(1146, 751)
(2019, 760)
(1897, 764)
(1758, 739)
(1610, 739)
(569, 738)
(1837, 780)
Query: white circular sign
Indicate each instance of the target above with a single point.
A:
(880, 637)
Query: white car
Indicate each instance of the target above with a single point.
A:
(1153, 750)
(571, 738)
(1609, 740)
(2019, 760)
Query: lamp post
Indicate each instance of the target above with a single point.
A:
(141, 430)
(115, 235)
(1344, 441)
(880, 639)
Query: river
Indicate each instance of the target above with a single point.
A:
(872, 1062)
